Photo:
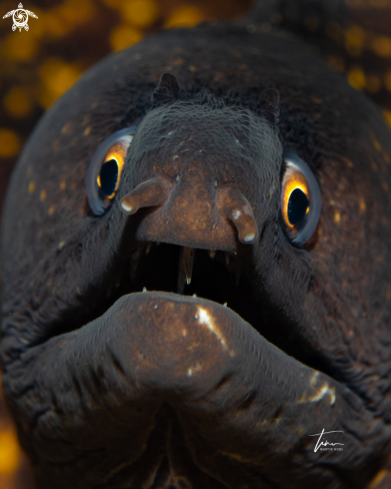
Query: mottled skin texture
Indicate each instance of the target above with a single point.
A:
(111, 388)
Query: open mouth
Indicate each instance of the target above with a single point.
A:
(214, 275)
(219, 276)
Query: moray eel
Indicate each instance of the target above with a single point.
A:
(196, 263)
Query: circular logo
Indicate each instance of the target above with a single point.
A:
(20, 19)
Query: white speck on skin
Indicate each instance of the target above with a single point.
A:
(236, 214)
(205, 318)
(323, 391)
(193, 369)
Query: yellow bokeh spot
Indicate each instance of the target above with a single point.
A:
(123, 37)
(75, 12)
(356, 78)
(20, 46)
(57, 77)
(9, 452)
(140, 13)
(43, 195)
(31, 187)
(185, 16)
(9, 143)
(382, 46)
(55, 26)
(354, 37)
(17, 102)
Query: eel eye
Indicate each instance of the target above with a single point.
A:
(104, 171)
(301, 200)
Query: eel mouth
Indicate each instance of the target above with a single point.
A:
(218, 276)
(223, 277)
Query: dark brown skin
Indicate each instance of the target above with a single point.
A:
(113, 388)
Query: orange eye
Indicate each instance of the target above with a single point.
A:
(300, 200)
(111, 169)
(104, 173)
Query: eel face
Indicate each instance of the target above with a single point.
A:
(115, 387)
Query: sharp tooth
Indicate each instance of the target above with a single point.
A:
(186, 260)
(181, 273)
(144, 289)
(238, 270)
(148, 248)
(227, 258)
(212, 253)
(225, 304)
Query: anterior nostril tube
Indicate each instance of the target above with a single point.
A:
(234, 205)
(147, 194)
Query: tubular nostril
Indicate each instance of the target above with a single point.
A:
(147, 194)
(234, 205)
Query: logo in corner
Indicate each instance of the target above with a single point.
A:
(20, 17)
(323, 445)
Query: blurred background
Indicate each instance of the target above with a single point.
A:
(69, 36)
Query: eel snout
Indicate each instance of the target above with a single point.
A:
(193, 212)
